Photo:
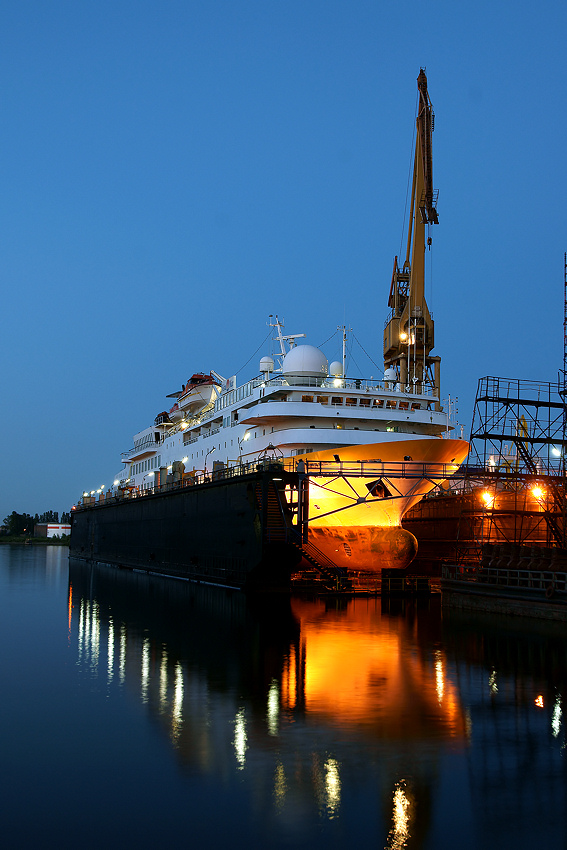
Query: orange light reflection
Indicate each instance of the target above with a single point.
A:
(362, 669)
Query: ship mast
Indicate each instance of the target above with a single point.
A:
(408, 336)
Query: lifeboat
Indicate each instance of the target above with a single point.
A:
(176, 414)
(162, 418)
(200, 392)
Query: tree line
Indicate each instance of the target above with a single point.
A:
(16, 525)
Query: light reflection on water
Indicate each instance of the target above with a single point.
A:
(317, 723)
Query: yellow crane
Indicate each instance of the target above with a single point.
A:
(408, 336)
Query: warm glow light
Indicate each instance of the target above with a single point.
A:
(439, 680)
(403, 336)
(240, 741)
(488, 499)
(273, 709)
(280, 787)
(537, 492)
(539, 701)
(399, 833)
(556, 718)
(110, 671)
(145, 670)
(116, 483)
(177, 705)
(332, 785)
(247, 435)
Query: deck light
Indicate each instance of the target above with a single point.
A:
(537, 492)
(116, 482)
(488, 499)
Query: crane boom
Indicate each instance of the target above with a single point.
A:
(409, 332)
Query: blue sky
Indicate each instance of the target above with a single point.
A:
(171, 173)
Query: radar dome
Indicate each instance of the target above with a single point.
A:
(336, 369)
(304, 361)
(390, 374)
(266, 364)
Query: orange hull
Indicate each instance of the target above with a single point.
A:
(359, 530)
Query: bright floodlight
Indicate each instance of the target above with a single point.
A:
(537, 492)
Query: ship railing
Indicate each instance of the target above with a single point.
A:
(376, 471)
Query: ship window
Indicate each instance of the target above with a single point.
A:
(364, 402)
(323, 399)
(391, 404)
(404, 405)
(378, 402)
(416, 405)
(336, 399)
(306, 398)
(351, 402)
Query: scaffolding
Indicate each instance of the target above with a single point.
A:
(514, 489)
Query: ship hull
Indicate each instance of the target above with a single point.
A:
(362, 531)
(212, 533)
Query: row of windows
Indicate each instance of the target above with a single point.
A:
(146, 465)
(376, 404)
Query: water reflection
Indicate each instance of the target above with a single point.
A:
(308, 702)
(412, 728)
(511, 676)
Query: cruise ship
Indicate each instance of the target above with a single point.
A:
(376, 446)
(303, 408)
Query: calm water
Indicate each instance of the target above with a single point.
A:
(143, 713)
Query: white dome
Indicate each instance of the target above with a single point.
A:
(390, 374)
(336, 369)
(266, 364)
(304, 361)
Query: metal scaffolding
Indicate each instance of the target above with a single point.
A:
(516, 466)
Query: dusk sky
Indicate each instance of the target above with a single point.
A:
(173, 172)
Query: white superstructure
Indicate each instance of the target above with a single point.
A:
(298, 410)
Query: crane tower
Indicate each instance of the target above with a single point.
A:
(408, 336)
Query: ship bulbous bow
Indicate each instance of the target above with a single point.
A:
(368, 548)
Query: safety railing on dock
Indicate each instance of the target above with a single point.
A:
(546, 583)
